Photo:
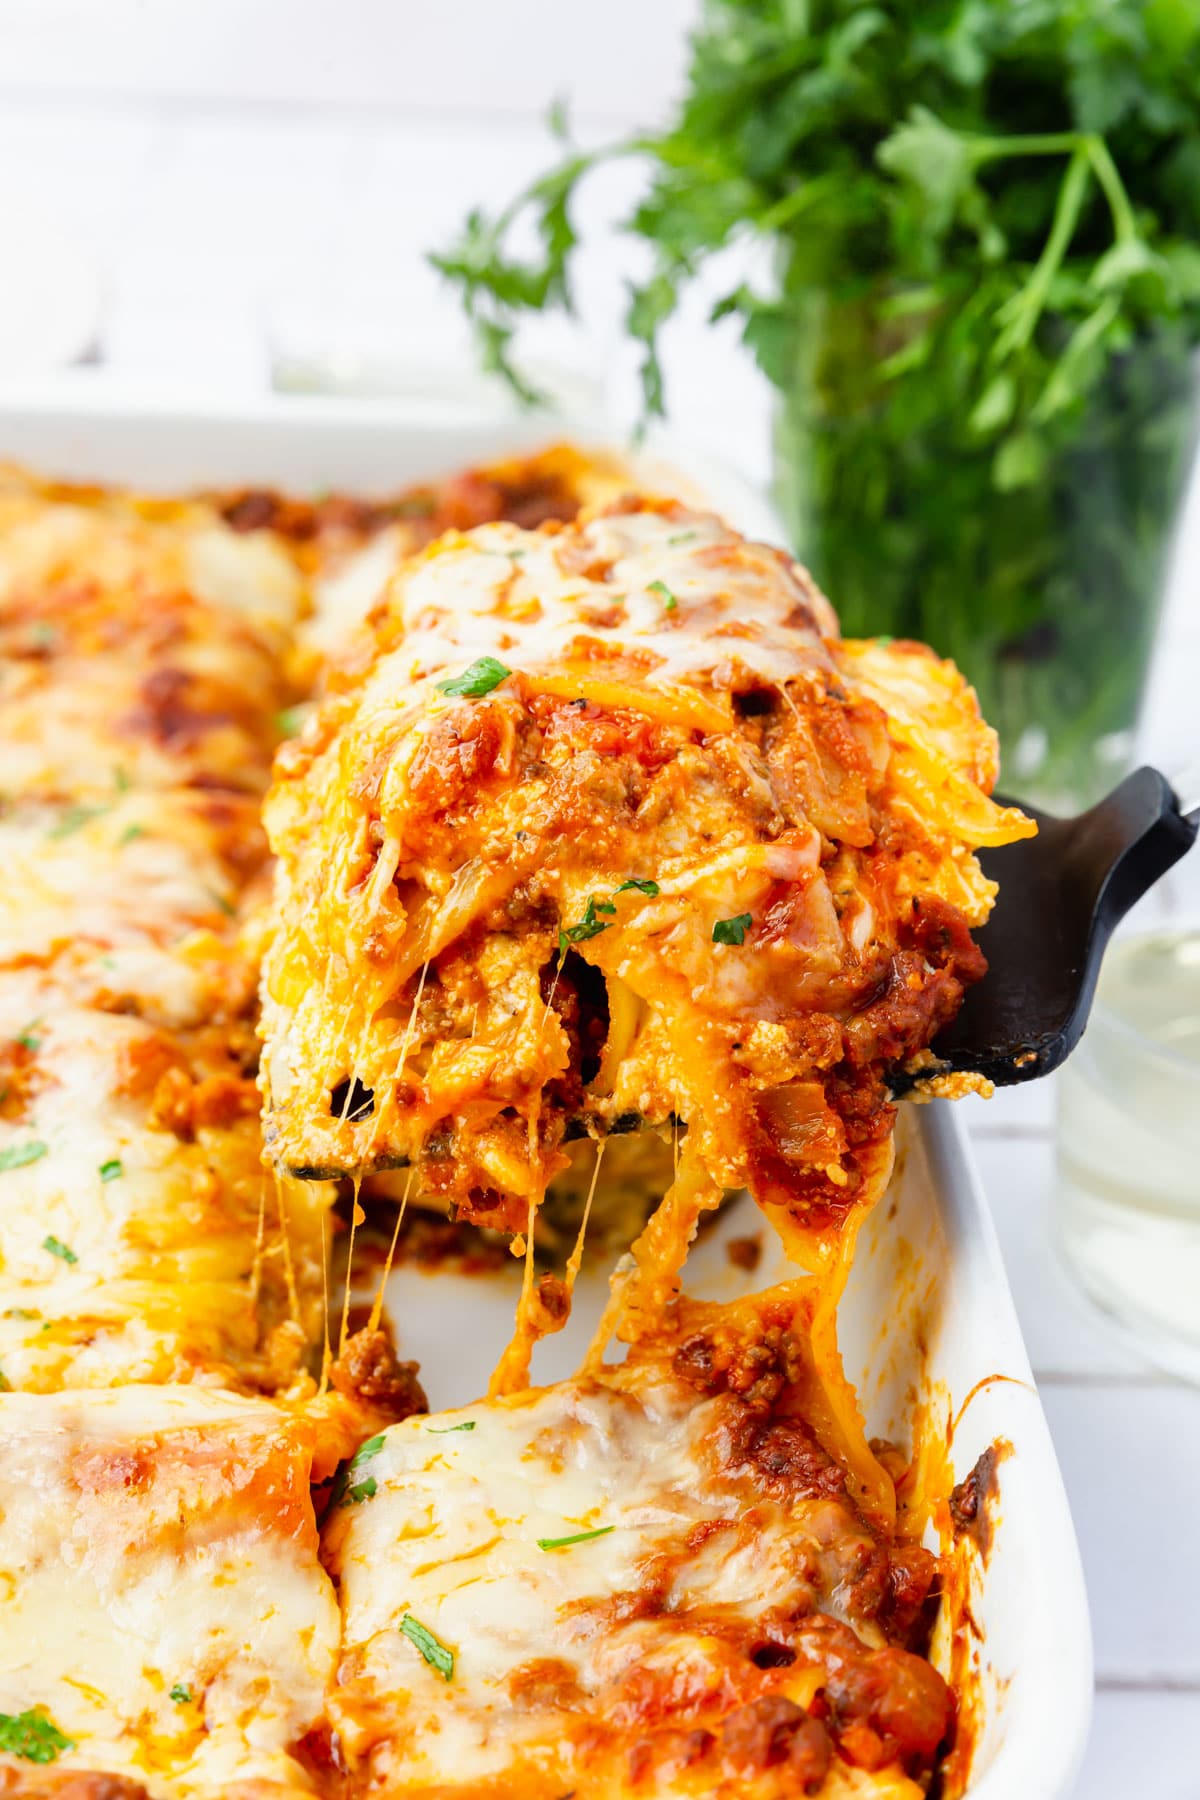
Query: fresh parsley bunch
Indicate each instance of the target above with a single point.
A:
(986, 215)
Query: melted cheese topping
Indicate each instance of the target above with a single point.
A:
(53, 535)
(154, 1539)
(568, 1660)
(533, 601)
(138, 896)
(140, 1239)
(153, 642)
(134, 1154)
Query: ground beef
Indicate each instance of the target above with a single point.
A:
(773, 1731)
(368, 1370)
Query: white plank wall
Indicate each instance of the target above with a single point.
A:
(250, 176)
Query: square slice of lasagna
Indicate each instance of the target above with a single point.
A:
(602, 825)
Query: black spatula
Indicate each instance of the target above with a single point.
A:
(1062, 894)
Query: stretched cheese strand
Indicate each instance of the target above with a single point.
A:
(511, 1373)
(536, 1318)
(373, 1322)
(646, 1280)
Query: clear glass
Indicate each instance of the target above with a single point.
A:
(1041, 577)
(1129, 1147)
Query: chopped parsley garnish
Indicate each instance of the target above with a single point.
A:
(445, 1430)
(74, 819)
(578, 1537)
(414, 506)
(483, 675)
(291, 720)
(56, 1247)
(589, 926)
(643, 887)
(33, 1736)
(29, 1039)
(17, 1156)
(112, 1170)
(731, 931)
(221, 902)
(181, 1693)
(431, 1648)
(130, 832)
(681, 537)
(352, 1493)
(665, 595)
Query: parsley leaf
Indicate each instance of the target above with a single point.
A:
(665, 595)
(445, 1430)
(578, 1537)
(643, 886)
(414, 506)
(112, 1170)
(181, 1693)
(29, 1039)
(588, 927)
(431, 1648)
(732, 931)
(56, 1247)
(290, 722)
(984, 222)
(483, 675)
(17, 1156)
(74, 819)
(348, 1492)
(33, 1735)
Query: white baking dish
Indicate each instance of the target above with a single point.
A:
(927, 1318)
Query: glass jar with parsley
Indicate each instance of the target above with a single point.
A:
(986, 222)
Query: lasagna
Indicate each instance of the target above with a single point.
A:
(602, 826)
(647, 1581)
(143, 647)
(607, 880)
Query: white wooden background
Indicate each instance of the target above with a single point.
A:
(244, 177)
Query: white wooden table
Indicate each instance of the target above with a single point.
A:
(255, 174)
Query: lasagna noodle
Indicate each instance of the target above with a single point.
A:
(649, 1579)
